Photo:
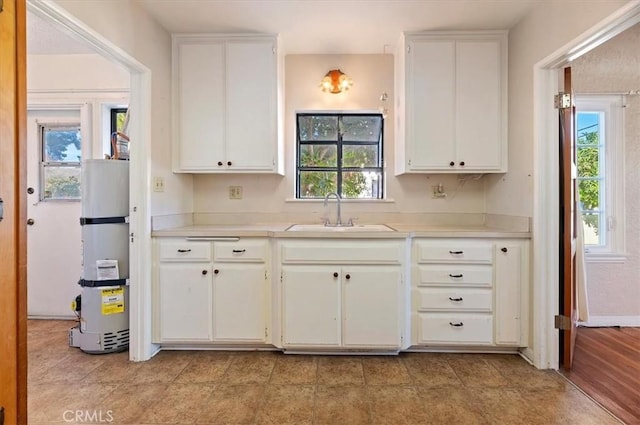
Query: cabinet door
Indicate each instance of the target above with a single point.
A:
(478, 104)
(185, 302)
(371, 306)
(311, 305)
(200, 95)
(239, 297)
(511, 286)
(251, 105)
(430, 91)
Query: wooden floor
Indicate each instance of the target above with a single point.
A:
(606, 366)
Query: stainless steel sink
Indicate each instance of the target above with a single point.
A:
(345, 229)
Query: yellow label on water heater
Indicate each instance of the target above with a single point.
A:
(112, 301)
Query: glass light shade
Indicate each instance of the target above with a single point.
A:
(335, 81)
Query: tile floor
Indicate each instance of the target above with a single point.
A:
(212, 387)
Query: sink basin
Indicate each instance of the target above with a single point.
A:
(354, 228)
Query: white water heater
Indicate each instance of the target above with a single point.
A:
(103, 305)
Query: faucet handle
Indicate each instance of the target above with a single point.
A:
(351, 223)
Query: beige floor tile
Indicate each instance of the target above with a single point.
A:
(250, 368)
(232, 404)
(115, 368)
(128, 402)
(396, 405)
(565, 407)
(522, 374)
(451, 406)
(164, 367)
(179, 404)
(294, 369)
(340, 370)
(475, 371)
(205, 366)
(430, 369)
(71, 368)
(287, 405)
(504, 406)
(50, 402)
(387, 370)
(342, 404)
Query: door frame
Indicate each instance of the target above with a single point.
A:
(140, 345)
(13, 231)
(546, 284)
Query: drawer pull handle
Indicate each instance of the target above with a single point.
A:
(455, 276)
(456, 325)
(457, 299)
(456, 252)
(239, 251)
(184, 250)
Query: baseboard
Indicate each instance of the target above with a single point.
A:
(607, 321)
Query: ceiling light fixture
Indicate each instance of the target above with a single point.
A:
(335, 81)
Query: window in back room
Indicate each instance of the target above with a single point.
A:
(339, 152)
(599, 138)
(60, 157)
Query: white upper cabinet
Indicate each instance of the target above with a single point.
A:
(226, 104)
(452, 103)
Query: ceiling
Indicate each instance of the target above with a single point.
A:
(336, 26)
(46, 38)
(306, 26)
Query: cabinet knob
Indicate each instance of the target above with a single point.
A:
(335, 274)
(504, 249)
(216, 271)
(348, 276)
(451, 164)
(204, 272)
(462, 163)
(219, 163)
(229, 163)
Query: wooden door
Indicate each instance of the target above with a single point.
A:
(568, 223)
(13, 248)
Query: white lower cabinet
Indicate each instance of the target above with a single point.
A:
(311, 305)
(185, 302)
(329, 303)
(470, 292)
(211, 291)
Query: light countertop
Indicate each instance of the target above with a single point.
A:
(278, 230)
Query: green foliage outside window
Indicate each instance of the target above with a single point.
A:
(588, 176)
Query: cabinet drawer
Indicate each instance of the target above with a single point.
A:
(240, 251)
(447, 275)
(454, 252)
(180, 250)
(343, 252)
(441, 328)
(454, 299)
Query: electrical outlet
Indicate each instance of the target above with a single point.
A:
(158, 184)
(235, 192)
(438, 191)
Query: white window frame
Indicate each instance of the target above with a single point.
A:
(611, 108)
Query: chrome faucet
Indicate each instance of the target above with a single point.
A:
(338, 214)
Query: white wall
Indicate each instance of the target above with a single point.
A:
(130, 28)
(549, 27)
(271, 195)
(614, 67)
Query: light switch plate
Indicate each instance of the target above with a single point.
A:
(158, 184)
